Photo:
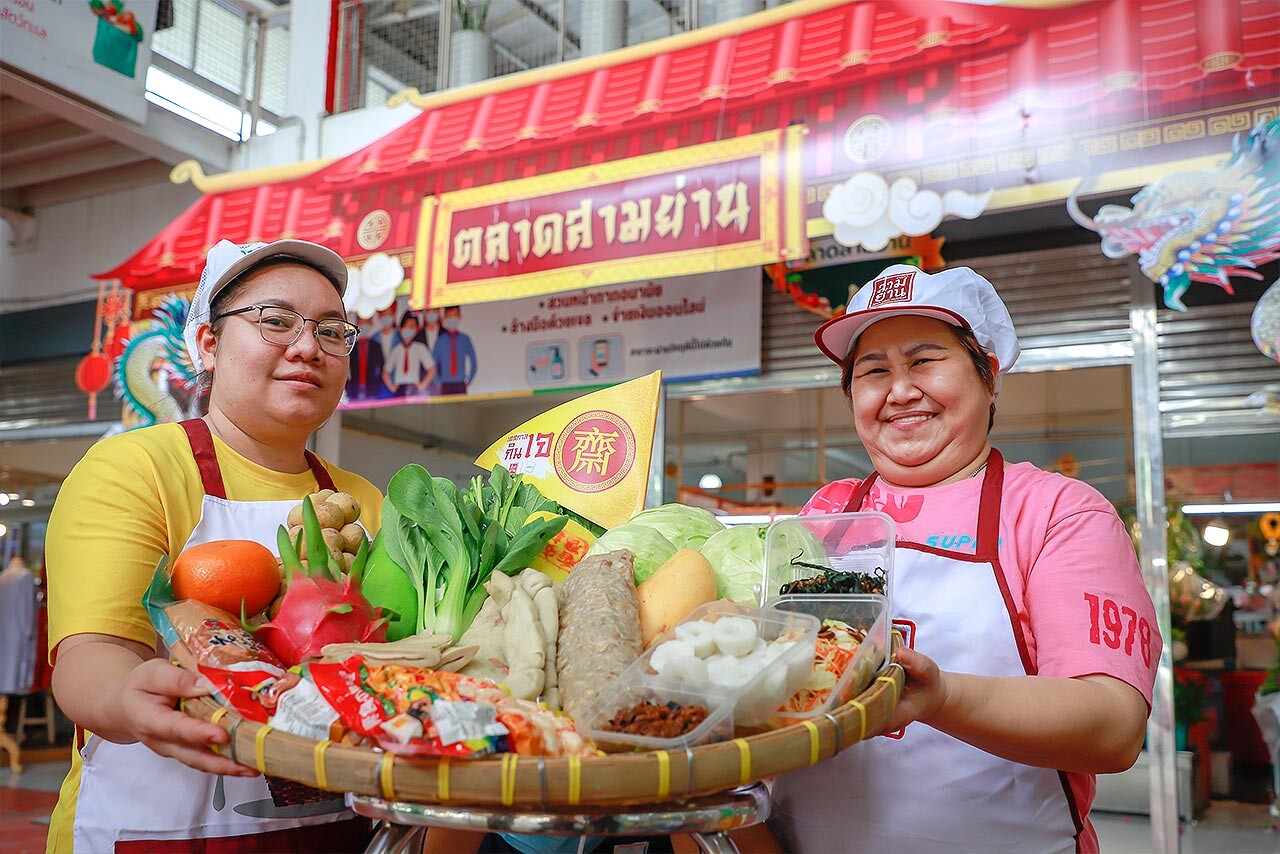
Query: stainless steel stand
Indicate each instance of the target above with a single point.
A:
(707, 820)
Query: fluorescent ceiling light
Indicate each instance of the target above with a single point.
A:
(3, 529)
(710, 480)
(1214, 509)
(196, 105)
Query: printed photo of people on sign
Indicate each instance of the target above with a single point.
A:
(405, 353)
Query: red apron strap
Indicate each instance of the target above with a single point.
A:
(321, 473)
(201, 440)
(860, 494)
(988, 545)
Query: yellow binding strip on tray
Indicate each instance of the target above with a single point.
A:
(893, 682)
(322, 777)
(744, 755)
(664, 773)
(218, 714)
(862, 710)
(575, 779)
(386, 776)
(442, 779)
(509, 761)
(260, 747)
(813, 741)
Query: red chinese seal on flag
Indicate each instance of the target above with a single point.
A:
(595, 451)
(894, 288)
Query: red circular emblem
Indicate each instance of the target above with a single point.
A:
(595, 451)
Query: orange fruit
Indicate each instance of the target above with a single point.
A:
(224, 573)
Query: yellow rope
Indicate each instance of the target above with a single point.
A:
(744, 755)
(813, 741)
(862, 733)
(664, 773)
(509, 761)
(260, 747)
(322, 777)
(386, 776)
(575, 779)
(442, 779)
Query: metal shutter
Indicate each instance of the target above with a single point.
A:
(42, 396)
(1208, 367)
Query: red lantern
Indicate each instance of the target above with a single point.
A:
(93, 374)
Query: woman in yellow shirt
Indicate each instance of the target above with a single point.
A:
(269, 334)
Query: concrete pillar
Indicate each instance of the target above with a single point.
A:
(308, 67)
(731, 10)
(603, 26)
(470, 57)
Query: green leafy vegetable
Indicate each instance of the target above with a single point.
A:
(649, 548)
(448, 542)
(736, 556)
(686, 527)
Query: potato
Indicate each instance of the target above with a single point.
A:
(318, 498)
(295, 517)
(348, 560)
(348, 504)
(330, 517)
(333, 540)
(681, 584)
(352, 536)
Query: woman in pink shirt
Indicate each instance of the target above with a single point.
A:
(1032, 641)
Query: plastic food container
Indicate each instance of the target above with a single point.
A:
(749, 704)
(868, 612)
(811, 546)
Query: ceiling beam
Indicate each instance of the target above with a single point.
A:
(69, 166)
(18, 115)
(164, 136)
(94, 184)
(42, 142)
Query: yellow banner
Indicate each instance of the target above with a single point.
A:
(590, 455)
(715, 206)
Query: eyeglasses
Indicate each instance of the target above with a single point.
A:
(283, 326)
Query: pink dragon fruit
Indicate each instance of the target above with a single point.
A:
(316, 611)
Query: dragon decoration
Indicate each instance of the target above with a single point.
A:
(1204, 226)
(154, 377)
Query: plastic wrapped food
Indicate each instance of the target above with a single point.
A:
(1191, 597)
(599, 627)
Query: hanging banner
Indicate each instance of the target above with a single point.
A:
(591, 454)
(98, 50)
(716, 206)
(691, 327)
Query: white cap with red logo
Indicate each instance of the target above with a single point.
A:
(958, 296)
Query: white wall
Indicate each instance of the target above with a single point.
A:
(76, 239)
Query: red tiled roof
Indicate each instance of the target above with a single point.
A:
(663, 91)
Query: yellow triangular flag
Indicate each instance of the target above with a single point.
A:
(590, 455)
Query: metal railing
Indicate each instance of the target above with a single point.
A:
(385, 46)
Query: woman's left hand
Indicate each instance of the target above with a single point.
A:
(924, 692)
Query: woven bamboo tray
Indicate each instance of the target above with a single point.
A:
(512, 780)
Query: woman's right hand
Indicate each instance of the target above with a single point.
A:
(147, 701)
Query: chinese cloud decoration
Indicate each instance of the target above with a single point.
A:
(1265, 323)
(372, 286)
(1200, 226)
(868, 211)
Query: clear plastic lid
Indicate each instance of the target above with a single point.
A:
(867, 613)
(843, 553)
(748, 671)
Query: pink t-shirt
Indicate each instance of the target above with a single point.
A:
(1070, 568)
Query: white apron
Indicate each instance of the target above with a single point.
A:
(127, 792)
(921, 790)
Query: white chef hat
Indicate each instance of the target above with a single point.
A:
(227, 261)
(958, 296)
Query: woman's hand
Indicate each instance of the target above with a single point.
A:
(147, 699)
(119, 691)
(923, 693)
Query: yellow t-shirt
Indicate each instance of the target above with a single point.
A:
(133, 498)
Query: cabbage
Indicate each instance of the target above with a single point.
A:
(736, 555)
(651, 549)
(686, 527)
